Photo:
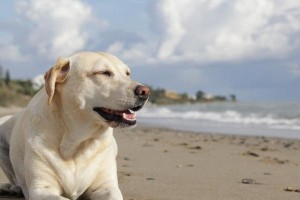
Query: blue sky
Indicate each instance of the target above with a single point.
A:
(242, 47)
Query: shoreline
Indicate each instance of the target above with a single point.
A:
(248, 133)
(147, 123)
(244, 118)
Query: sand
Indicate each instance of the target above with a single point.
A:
(161, 164)
(174, 165)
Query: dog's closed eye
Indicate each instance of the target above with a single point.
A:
(105, 73)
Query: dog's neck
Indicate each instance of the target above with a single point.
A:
(77, 133)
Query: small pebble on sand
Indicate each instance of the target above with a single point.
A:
(249, 181)
(196, 147)
(289, 189)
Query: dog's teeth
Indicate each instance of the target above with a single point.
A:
(131, 118)
(134, 115)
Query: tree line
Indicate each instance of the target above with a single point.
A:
(14, 92)
(4, 75)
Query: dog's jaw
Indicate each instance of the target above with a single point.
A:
(118, 118)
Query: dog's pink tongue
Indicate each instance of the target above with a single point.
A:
(130, 116)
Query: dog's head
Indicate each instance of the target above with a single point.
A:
(98, 85)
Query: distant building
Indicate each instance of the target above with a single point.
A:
(208, 97)
(172, 95)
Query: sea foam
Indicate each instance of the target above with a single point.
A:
(227, 116)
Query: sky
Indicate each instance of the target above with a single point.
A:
(242, 47)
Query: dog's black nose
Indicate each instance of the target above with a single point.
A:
(142, 91)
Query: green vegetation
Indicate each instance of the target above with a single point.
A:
(14, 92)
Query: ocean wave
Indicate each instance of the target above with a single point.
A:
(229, 116)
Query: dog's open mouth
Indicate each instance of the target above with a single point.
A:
(119, 118)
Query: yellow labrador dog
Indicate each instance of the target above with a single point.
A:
(61, 146)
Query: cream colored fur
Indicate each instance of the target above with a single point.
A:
(59, 148)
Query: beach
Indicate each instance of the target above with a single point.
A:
(163, 164)
(174, 165)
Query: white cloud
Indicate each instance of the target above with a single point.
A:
(173, 29)
(11, 52)
(198, 31)
(115, 47)
(57, 28)
(226, 30)
(137, 53)
(38, 82)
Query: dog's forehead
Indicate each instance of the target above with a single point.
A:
(90, 60)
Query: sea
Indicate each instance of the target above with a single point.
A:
(270, 119)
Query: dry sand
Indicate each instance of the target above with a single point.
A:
(160, 164)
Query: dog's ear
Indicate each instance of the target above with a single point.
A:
(57, 74)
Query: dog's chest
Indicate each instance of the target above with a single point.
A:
(76, 177)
